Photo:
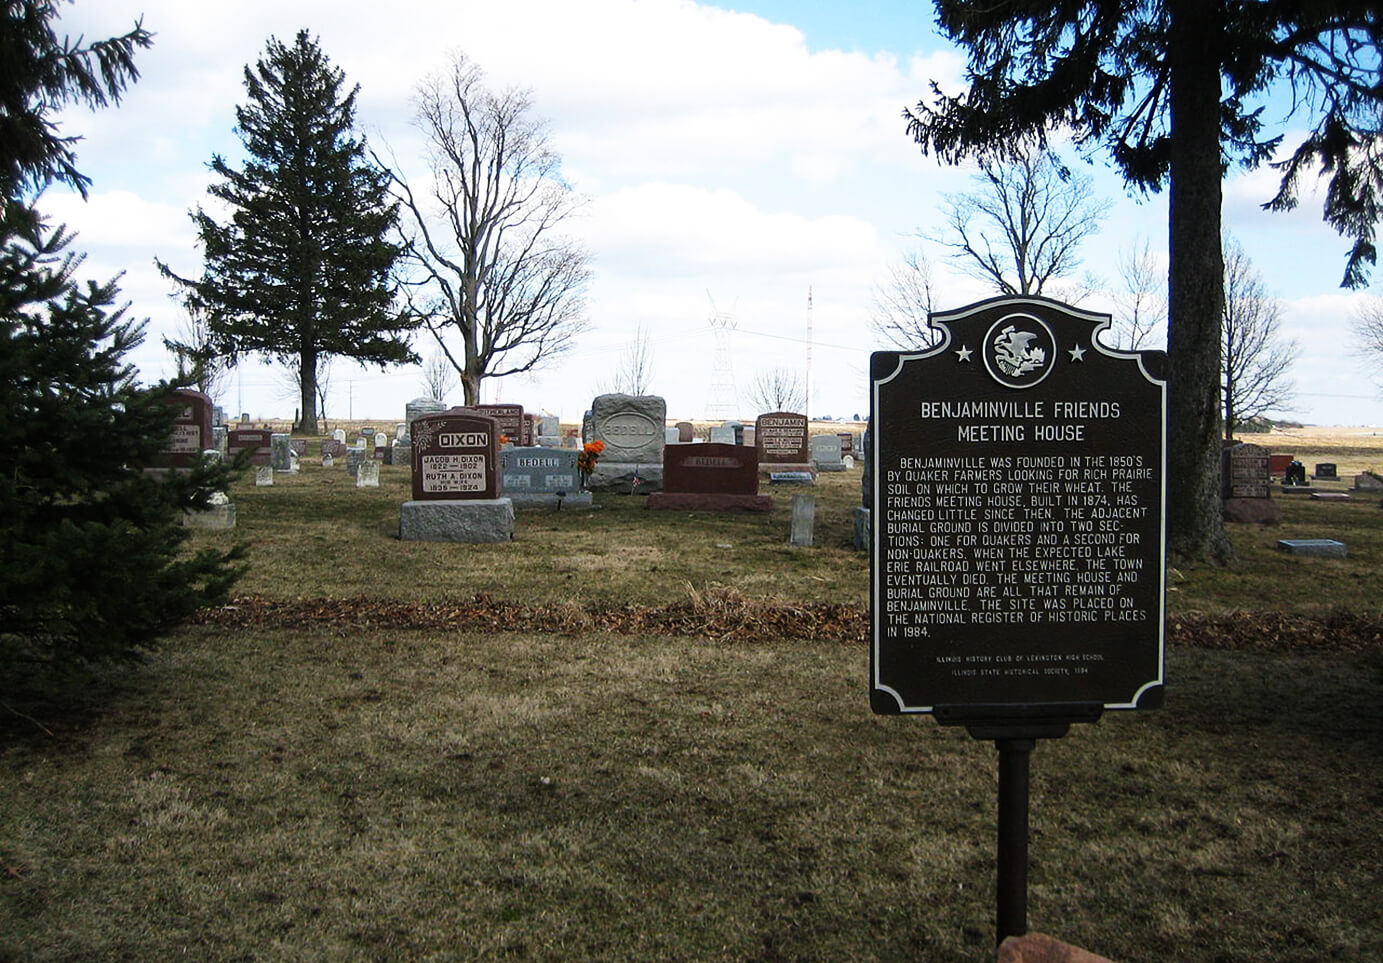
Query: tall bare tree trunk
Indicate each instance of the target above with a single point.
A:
(1195, 286)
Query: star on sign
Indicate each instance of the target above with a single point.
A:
(1077, 353)
(963, 354)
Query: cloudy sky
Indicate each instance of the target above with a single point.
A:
(734, 157)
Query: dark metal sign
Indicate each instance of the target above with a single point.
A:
(1019, 497)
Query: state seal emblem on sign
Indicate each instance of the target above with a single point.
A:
(1019, 350)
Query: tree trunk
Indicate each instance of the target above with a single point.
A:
(1195, 523)
(307, 384)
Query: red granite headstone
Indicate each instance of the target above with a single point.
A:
(713, 477)
(191, 429)
(781, 438)
(256, 439)
(455, 456)
(711, 469)
(510, 418)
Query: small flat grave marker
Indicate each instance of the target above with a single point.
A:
(1312, 547)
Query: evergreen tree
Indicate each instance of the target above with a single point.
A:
(92, 557)
(301, 271)
(1170, 89)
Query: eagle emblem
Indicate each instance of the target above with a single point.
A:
(1014, 353)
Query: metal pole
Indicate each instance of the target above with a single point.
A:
(1012, 891)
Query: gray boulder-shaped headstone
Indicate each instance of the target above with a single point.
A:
(418, 407)
(631, 428)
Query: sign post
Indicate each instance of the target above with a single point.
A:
(1018, 565)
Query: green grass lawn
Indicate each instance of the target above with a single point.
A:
(350, 789)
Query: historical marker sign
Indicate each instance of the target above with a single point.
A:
(1019, 540)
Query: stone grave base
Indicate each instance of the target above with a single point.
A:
(575, 501)
(863, 520)
(474, 521)
(1252, 511)
(215, 518)
(619, 477)
(709, 502)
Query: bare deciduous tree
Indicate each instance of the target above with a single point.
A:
(1368, 330)
(778, 389)
(1256, 359)
(634, 376)
(1023, 224)
(439, 377)
(490, 266)
(195, 354)
(1140, 314)
(902, 305)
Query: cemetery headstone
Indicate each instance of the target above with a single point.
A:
(337, 449)
(1247, 486)
(339, 435)
(723, 435)
(802, 531)
(749, 436)
(191, 434)
(686, 432)
(281, 452)
(356, 455)
(264, 475)
(367, 475)
(510, 418)
(714, 477)
(1368, 482)
(631, 427)
(257, 440)
(328, 460)
(542, 478)
(1327, 470)
(381, 439)
(217, 516)
(781, 439)
(456, 481)
(418, 407)
(220, 436)
(864, 512)
(549, 432)
(1246, 473)
(671, 436)
(1019, 553)
(826, 453)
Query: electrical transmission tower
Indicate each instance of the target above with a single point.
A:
(723, 402)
